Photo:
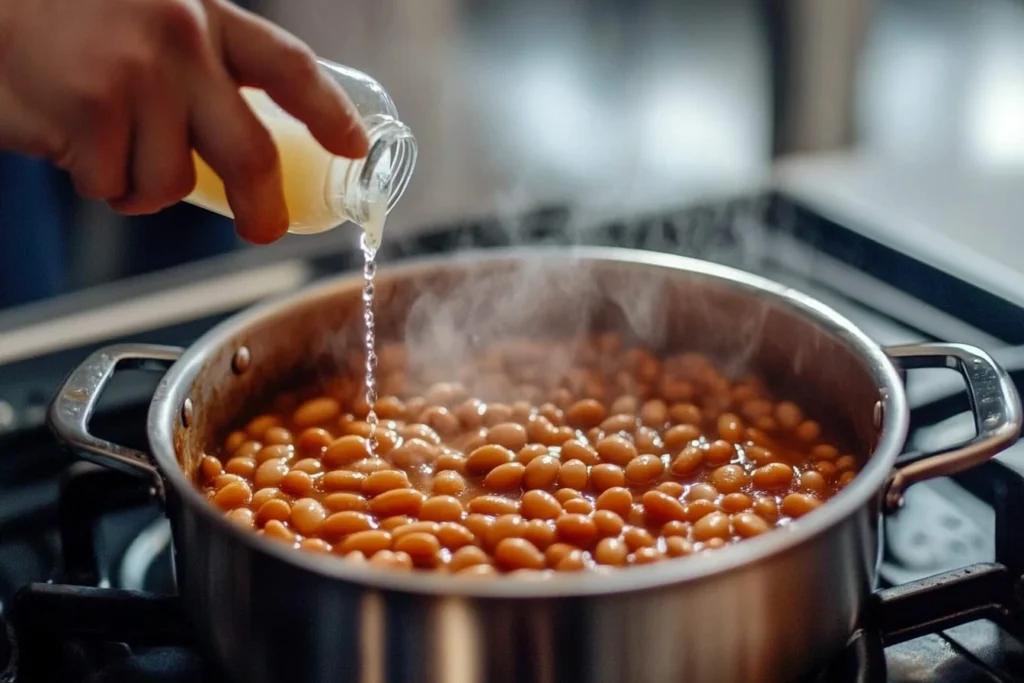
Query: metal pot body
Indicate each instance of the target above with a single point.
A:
(768, 609)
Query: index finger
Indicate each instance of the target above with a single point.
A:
(262, 55)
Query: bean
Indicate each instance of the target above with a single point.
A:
(672, 488)
(766, 508)
(233, 495)
(450, 462)
(735, 502)
(647, 556)
(606, 476)
(422, 547)
(698, 509)
(389, 408)
(788, 415)
(493, 505)
(537, 504)
(518, 553)
(339, 502)
(391, 523)
(210, 468)
(608, 523)
(799, 504)
(611, 552)
(412, 454)
(730, 428)
(637, 537)
(297, 483)
(644, 469)
(314, 440)
(405, 501)
(575, 450)
(385, 480)
(342, 480)
(685, 413)
(824, 451)
(714, 525)
(660, 507)
(453, 535)
(585, 414)
(507, 434)
(845, 478)
(263, 495)
(680, 436)
(719, 453)
(278, 531)
(812, 481)
(654, 413)
(701, 492)
(579, 506)
(616, 450)
(729, 478)
(846, 463)
(467, 557)
(316, 412)
(258, 426)
(270, 473)
(619, 423)
(541, 473)
(440, 419)
(273, 509)
(676, 546)
(441, 509)
(345, 451)
(616, 499)
(248, 449)
(624, 404)
(310, 466)
(505, 526)
(234, 441)
(307, 516)
(370, 465)
(748, 524)
(315, 545)
(776, 475)
(478, 524)
(243, 517)
(278, 435)
(808, 431)
(576, 529)
(505, 477)
(540, 533)
(277, 451)
(367, 542)
(344, 523)
(486, 458)
(556, 551)
(565, 495)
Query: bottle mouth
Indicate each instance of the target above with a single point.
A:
(390, 162)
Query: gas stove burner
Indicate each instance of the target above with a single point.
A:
(148, 564)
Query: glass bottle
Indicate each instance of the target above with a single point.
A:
(322, 190)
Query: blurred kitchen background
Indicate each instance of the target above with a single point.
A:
(914, 108)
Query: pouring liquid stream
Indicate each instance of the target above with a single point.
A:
(370, 242)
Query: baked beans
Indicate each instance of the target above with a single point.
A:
(625, 460)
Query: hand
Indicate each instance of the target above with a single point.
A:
(119, 92)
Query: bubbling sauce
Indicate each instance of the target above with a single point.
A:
(519, 466)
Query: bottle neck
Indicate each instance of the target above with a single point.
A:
(364, 190)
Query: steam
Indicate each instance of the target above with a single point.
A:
(560, 296)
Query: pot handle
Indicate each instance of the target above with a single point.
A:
(994, 402)
(73, 406)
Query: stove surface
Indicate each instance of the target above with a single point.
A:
(86, 583)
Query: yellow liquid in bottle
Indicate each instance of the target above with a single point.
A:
(305, 166)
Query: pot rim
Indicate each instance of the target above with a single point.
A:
(175, 386)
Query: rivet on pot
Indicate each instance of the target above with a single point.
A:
(187, 413)
(241, 360)
(878, 415)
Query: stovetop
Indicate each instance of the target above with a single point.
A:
(86, 583)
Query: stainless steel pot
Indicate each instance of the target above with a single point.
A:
(768, 609)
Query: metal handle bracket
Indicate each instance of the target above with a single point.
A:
(993, 399)
(75, 402)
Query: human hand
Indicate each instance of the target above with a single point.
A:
(119, 92)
